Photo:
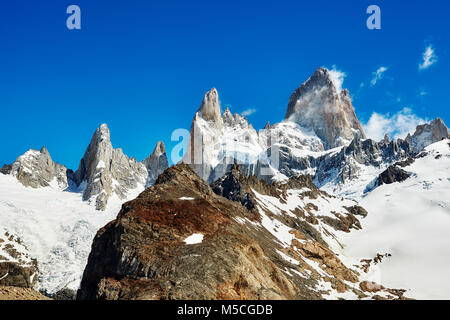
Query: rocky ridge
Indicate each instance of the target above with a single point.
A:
(36, 169)
(103, 172)
(275, 250)
(320, 136)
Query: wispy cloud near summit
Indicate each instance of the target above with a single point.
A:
(378, 75)
(337, 76)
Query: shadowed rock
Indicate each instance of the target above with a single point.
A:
(392, 174)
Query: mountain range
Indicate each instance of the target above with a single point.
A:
(276, 213)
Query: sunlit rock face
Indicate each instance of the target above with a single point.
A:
(321, 106)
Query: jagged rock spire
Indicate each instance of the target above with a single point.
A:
(156, 163)
(319, 105)
(210, 108)
(99, 149)
(107, 171)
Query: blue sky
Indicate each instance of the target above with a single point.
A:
(143, 66)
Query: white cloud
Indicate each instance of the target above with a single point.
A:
(337, 77)
(378, 75)
(248, 112)
(397, 125)
(429, 58)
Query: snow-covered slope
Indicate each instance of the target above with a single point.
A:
(410, 221)
(306, 226)
(57, 228)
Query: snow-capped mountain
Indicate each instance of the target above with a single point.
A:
(217, 138)
(309, 232)
(36, 169)
(320, 136)
(321, 106)
(427, 134)
(103, 171)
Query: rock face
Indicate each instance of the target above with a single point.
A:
(392, 174)
(36, 169)
(6, 169)
(156, 163)
(319, 105)
(147, 252)
(17, 293)
(215, 140)
(233, 186)
(427, 134)
(210, 108)
(17, 268)
(142, 254)
(106, 171)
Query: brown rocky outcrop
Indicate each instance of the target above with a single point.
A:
(142, 254)
(239, 254)
(16, 293)
(17, 268)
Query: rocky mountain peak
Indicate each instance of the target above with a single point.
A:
(210, 107)
(319, 105)
(107, 171)
(159, 149)
(156, 163)
(386, 138)
(102, 134)
(44, 151)
(227, 117)
(183, 175)
(428, 133)
(37, 169)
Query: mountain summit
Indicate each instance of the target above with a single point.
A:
(107, 171)
(319, 105)
(156, 163)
